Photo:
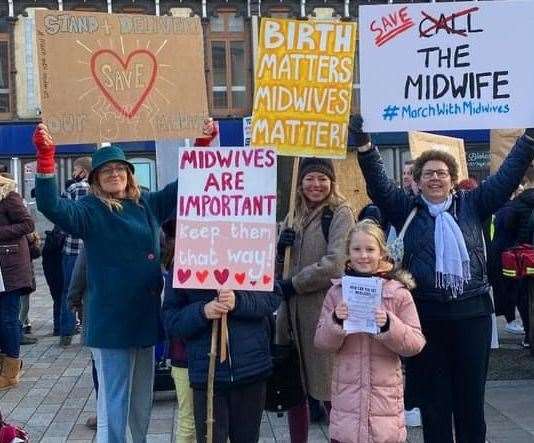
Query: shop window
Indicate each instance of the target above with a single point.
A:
(5, 81)
(228, 64)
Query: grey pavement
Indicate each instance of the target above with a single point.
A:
(56, 395)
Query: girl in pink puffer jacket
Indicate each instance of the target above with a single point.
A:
(367, 384)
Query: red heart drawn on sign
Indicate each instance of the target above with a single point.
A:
(253, 282)
(183, 275)
(201, 276)
(221, 276)
(240, 278)
(106, 90)
(266, 279)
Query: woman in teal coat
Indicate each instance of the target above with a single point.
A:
(120, 229)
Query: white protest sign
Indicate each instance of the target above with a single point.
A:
(362, 296)
(460, 65)
(226, 219)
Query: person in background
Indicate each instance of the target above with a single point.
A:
(185, 419)
(316, 258)
(77, 301)
(15, 267)
(408, 183)
(367, 389)
(518, 222)
(34, 244)
(71, 249)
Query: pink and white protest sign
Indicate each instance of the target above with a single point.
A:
(226, 219)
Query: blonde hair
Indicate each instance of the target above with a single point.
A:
(333, 200)
(369, 227)
(132, 191)
(6, 186)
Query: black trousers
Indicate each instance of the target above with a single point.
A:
(53, 272)
(237, 412)
(451, 374)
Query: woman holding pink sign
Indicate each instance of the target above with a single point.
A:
(120, 226)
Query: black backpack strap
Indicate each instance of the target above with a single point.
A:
(326, 221)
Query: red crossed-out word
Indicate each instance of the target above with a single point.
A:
(391, 25)
(447, 23)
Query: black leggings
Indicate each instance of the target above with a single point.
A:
(237, 412)
(451, 374)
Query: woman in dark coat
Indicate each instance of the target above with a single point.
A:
(15, 268)
(444, 251)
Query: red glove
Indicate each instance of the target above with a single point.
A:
(46, 150)
(210, 132)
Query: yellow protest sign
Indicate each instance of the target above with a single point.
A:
(304, 86)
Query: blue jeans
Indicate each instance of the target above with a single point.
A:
(10, 326)
(125, 379)
(67, 318)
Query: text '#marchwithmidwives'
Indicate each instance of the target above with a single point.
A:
(454, 65)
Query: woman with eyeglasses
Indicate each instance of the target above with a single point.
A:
(444, 251)
(119, 224)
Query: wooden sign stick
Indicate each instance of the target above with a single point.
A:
(224, 337)
(291, 213)
(211, 379)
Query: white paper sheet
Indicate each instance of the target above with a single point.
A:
(362, 296)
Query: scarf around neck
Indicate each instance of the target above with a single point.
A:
(452, 258)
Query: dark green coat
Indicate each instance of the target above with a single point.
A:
(123, 267)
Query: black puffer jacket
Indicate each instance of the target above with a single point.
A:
(469, 209)
(519, 212)
(248, 333)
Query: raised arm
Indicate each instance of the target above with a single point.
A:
(69, 215)
(494, 192)
(163, 203)
(392, 201)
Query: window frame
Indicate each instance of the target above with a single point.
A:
(4, 37)
(228, 37)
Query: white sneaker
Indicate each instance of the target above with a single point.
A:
(514, 327)
(413, 418)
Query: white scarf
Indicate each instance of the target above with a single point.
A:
(452, 258)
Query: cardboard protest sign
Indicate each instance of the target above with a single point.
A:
(304, 86)
(423, 141)
(350, 181)
(446, 66)
(501, 143)
(226, 219)
(118, 77)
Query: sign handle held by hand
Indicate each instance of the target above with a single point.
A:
(224, 338)
(211, 380)
(291, 213)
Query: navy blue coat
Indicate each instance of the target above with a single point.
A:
(469, 208)
(248, 333)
